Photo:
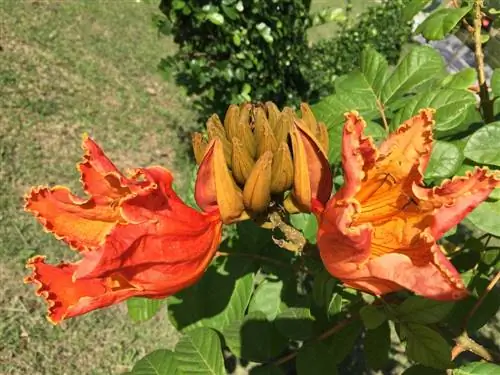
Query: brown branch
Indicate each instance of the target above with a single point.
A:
(465, 343)
(470, 29)
(337, 327)
(486, 104)
(476, 306)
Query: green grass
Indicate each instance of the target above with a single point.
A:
(68, 68)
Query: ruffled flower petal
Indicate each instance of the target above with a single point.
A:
(67, 298)
(82, 224)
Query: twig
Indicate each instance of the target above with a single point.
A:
(337, 327)
(469, 28)
(476, 306)
(380, 107)
(486, 104)
(465, 343)
(264, 258)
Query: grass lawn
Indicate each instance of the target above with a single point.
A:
(69, 67)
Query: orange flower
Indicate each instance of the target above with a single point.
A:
(135, 235)
(379, 232)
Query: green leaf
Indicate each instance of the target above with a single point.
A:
(307, 223)
(372, 317)
(267, 298)
(296, 323)
(477, 368)
(422, 310)
(486, 217)
(219, 298)
(411, 10)
(452, 108)
(341, 344)
(254, 338)
(423, 370)
(142, 309)
(215, 18)
(314, 359)
(159, 362)
(323, 286)
(199, 352)
(417, 67)
(377, 344)
(460, 80)
(426, 346)
(374, 66)
(441, 22)
(335, 305)
(482, 146)
(266, 370)
(445, 159)
(495, 83)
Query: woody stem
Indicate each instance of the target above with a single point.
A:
(488, 289)
(465, 343)
(486, 103)
(380, 107)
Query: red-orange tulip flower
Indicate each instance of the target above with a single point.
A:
(135, 235)
(379, 232)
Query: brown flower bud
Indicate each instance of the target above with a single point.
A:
(282, 170)
(284, 125)
(273, 114)
(216, 130)
(199, 147)
(263, 133)
(323, 138)
(308, 118)
(257, 191)
(242, 162)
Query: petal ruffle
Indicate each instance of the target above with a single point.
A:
(99, 176)
(358, 154)
(67, 298)
(83, 224)
(313, 181)
(456, 198)
(409, 146)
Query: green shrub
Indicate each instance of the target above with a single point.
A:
(236, 50)
(379, 26)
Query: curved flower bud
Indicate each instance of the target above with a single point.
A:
(136, 238)
(379, 232)
(257, 192)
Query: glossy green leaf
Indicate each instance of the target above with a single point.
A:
(423, 310)
(441, 22)
(460, 80)
(374, 67)
(296, 323)
(372, 316)
(426, 346)
(159, 362)
(267, 298)
(482, 146)
(478, 368)
(266, 370)
(323, 286)
(199, 352)
(418, 66)
(341, 344)
(423, 370)
(495, 83)
(452, 108)
(334, 306)
(254, 338)
(215, 18)
(314, 359)
(142, 309)
(486, 217)
(377, 344)
(489, 306)
(307, 223)
(221, 296)
(445, 159)
(413, 8)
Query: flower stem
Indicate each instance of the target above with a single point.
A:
(486, 103)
